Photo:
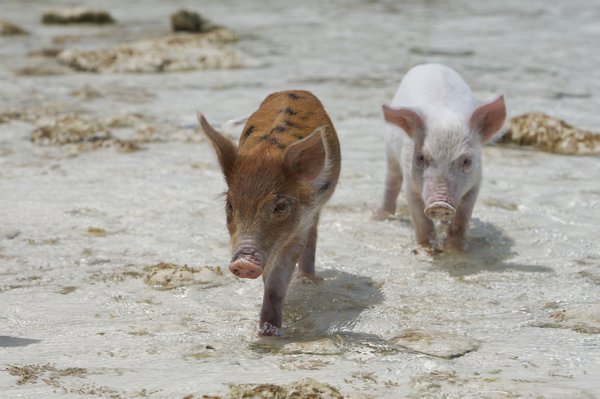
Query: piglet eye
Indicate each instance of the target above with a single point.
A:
(228, 206)
(465, 163)
(420, 159)
(281, 207)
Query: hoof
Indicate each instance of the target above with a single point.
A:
(309, 278)
(269, 330)
(381, 215)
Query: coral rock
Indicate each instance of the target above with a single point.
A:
(550, 134)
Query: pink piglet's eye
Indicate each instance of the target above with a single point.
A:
(466, 162)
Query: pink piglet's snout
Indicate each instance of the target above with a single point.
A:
(440, 211)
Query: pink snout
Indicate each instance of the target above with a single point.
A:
(440, 211)
(245, 269)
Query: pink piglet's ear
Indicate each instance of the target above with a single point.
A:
(487, 119)
(406, 118)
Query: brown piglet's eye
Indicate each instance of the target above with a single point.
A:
(281, 207)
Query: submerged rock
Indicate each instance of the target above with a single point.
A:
(581, 318)
(305, 388)
(83, 133)
(77, 15)
(166, 276)
(550, 134)
(7, 28)
(189, 21)
(438, 344)
(178, 52)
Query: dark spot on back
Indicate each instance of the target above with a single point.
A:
(248, 132)
(294, 96)
(278, 129)
(289, 123)
(271, 140)
(288, 111)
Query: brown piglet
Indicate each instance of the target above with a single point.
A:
(284, 169)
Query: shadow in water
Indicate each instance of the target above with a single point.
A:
(13, 342)
(330, 306)
(488, 249)
(316, 317)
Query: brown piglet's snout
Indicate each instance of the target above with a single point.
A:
(246, 262)
(245, 269)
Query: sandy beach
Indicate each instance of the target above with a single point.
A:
(113, 243)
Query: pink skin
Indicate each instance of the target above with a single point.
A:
(440, 162)
(244, 268)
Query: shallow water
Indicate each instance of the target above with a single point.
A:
(390, 319)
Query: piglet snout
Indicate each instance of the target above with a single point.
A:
(440, 211)
(245, 269)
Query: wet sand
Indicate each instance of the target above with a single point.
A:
(113, 246)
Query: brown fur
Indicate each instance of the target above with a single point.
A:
(284, 170)
(282, 118)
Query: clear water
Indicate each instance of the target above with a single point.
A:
(390, 320)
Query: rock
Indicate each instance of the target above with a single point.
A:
(179, 52)
(77, 15)
(188, 21)
(11, 234)
(580, 318)
(305, 388)
(84, 133)
(438, 344)
(7, 28)
(166, 276)
(552, 135)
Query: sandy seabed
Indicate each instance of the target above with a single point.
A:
(113, 247)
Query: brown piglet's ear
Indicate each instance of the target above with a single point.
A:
(306, 157)
(487, 119)
(225, 149)
(406, 118)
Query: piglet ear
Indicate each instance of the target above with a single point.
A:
(306, 157)
(408, 119)
(487, 119)
(225, 149)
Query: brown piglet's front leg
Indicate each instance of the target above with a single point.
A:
(276, 285)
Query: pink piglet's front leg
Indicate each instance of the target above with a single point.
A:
(424, 228)
(455, 241)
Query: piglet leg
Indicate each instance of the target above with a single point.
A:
(306, 263)
(424, 229)
(276, 285)
(455, 240)
(393, 184)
